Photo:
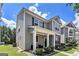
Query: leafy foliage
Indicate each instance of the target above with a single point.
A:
(7, 35)
(71, 42)
(39, 51)
(75, 6)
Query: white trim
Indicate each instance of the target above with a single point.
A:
(54, 40)
(47, 40)
(34, 41)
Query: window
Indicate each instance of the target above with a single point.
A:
(56, 26)
(41, 24)
(18, 29)
(71, 32)
(36, 38)
(34, 22)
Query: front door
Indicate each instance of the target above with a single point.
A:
(57, 42)
(45, 42)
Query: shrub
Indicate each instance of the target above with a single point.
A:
(52, 48)
(71, 42)
(58, 47)
(48, 49)
(62, 46)
(14, 44)
(39, 51)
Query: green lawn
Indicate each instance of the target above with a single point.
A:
(12, 51)
(73, 50)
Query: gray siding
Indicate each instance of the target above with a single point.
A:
(20, 36)
(49, 25)
(53, 27)
(28, 36)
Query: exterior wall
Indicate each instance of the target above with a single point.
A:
(28, 36)
(49, 25)
(54, 25)
(77, 36)
(20, 31)
(51, 40)
(66, 32)
(41, 40)
(62, 38)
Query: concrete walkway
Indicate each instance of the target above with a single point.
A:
(76, 54)
(63, 53)
(28, 53)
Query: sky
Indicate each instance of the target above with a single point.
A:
(46, 10)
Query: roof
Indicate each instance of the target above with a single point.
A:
(56, 18)
(32, 13)
(69, 25)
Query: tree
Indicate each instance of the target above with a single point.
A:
(13, 36)
(75, 6)
(7, 35)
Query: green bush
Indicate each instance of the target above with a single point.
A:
(48, 49)
(71, 42)
(39, 51)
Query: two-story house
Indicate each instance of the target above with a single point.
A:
(33, 31)
(77, 35)
(69, 31)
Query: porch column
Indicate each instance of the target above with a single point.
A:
(34, 41)
(54, 41)
(47, 40)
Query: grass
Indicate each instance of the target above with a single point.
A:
(12, 51)
(73, 50)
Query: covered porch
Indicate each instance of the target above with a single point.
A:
(41, 37)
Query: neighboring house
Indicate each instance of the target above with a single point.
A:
(33, 31)
(77, 35)
(69, 31)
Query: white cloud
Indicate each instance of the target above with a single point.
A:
(44, 15)
(63, 22)
(9, 23)
(35, 10)
(36, 5)
(76, 21)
